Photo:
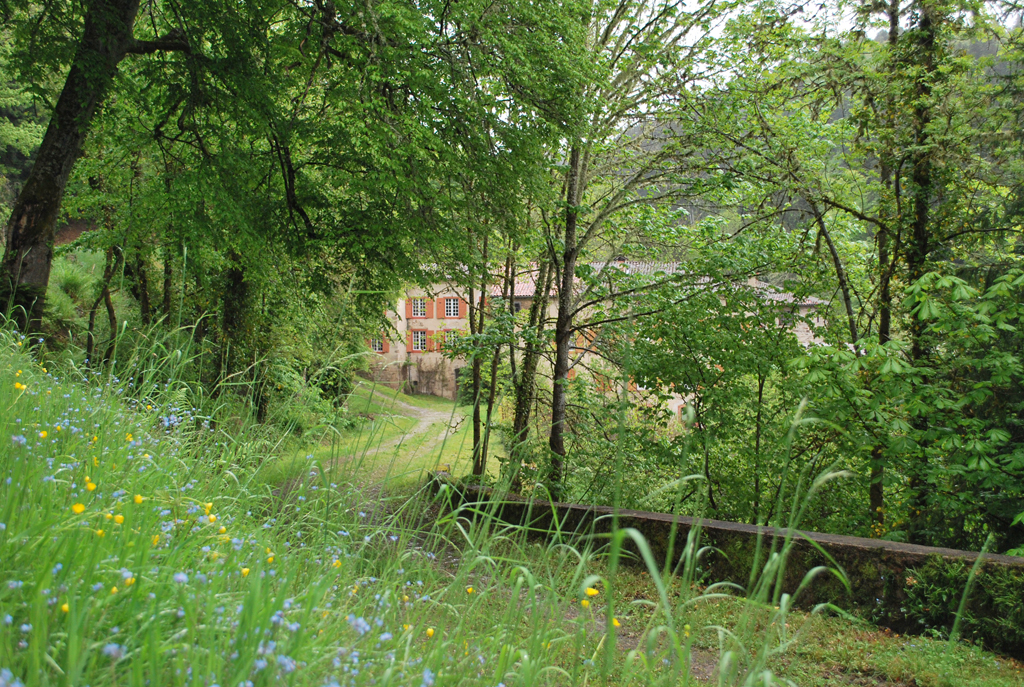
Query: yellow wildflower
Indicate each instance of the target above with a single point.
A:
(138, 498)
(42, 435)
(156, 539)
(405, 597)
(616, 623)
(90, 486)
(149, 407)
(78, 509)
(19, 386)
(100, 533)
(270, 559)
(109, 516)
(128, 437)
(336, 563)
(119, 519)
(470, 590)
(592, 592)
(245, 572)
(430, 632)
(113, 590)
(129, 582)
(64, 607)
(213, 518)
(585, 603)
(406, 626)
(96, 461)
(222, 530)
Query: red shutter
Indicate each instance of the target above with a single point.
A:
(408, 341)
(408, 308)
(430, 308)
(462, 309)
(430, 341)
(387, 347)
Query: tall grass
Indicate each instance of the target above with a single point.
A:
(141, 545)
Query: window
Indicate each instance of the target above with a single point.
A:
(419, 340)
(451, 307)
(450, 339)
(419, 307)
(517, 306)
(377, 345)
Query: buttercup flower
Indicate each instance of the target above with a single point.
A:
(78, 509)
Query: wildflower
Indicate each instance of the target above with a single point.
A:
(592, 592)
(149, 407)
(156, 539)
(585, 603)
(222, 530)
(100, 533)
(336, 563)
(616, 623)
(406, 626)
(405, 597)
(108, 516)
(113, 590)
(19, 439)
(270, 559)
(245, 572)
(19, 386)
(359, 624)
(180, 578)
(128, 437)
(64, 607)
(90, 486)
(114, 651)
(129, 582)
(119, 519)
(686, 630)
(43, 435)
(213, 518)
(385, 636)
(77, 509)
(430, 632)
(469, 590)
(96, 461)
(428, 678)
(138, 499)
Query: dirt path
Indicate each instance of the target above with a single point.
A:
(444, 420)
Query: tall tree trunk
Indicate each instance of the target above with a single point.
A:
(563, 326)
(110, 268)
(526, 381)
(922, 180)
(106, 39)
(495, 361)
(168, 280)
(876, 489)
(140, 288)
(477, 327)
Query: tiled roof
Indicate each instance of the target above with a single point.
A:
(526, 282)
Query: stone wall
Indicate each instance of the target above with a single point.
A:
(890, 583)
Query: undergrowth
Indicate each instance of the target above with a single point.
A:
(142, 543)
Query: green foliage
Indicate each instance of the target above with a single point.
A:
(994, 614)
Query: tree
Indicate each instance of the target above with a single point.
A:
(620, 154)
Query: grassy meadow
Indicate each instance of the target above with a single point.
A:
(142, 543)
